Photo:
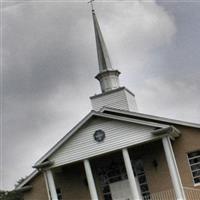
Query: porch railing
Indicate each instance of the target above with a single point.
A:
(163, 195)
(190, 193)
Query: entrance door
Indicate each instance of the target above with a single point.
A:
(121, 190)
(114, 181)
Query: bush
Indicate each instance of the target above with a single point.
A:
(12, 195)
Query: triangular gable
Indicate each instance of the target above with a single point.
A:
(85, 120)
(119, 133)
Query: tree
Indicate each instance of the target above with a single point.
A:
(10, 195)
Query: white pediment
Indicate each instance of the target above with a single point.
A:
(118, 134)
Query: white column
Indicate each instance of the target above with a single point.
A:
(90, 180)
(129, 170)
(173, 169)
(47, 187)
(50, 185)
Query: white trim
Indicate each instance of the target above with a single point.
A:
(191, 188)
(51, 184)
(32, 175)
(47, 186)
(65, 138)
(188, 159)
(196, 184)
(126, 119)
(195, 164)
(170, 131)
(173, 169)
(90, 180)
(108, 92)
(129, 170)
(151, 117)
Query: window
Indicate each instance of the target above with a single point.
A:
(194, 161)
(140, 174)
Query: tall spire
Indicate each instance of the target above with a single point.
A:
(112, 96)
(102, 52)
(107, 76)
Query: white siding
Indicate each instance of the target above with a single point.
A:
(131, 102)
(118, 135)
(116, 99)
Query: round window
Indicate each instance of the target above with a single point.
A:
(99, 135)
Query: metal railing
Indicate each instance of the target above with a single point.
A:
(190, 193)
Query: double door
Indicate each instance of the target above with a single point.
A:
(114, 182)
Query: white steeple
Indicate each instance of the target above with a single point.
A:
(112, 95)
(107, 76)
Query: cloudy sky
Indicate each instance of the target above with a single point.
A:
(49, 61)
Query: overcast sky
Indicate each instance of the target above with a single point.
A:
(49, 64)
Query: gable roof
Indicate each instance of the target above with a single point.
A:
(150, 118)
(79, 125)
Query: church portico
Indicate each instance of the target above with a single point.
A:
(128, 173)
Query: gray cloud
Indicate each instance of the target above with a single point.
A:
(50, 61)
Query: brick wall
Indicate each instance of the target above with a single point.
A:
(72, 182)
(189, 141)
(156, 169)
(38, 192)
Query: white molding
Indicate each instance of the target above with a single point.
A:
(151, 117)
(126, 119)
(47, 186)
(197, 185)
(51, 184)
(32, 175)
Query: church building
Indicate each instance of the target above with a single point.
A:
(118, 153)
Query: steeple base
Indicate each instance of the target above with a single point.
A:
(109, 80)
(120, 98)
